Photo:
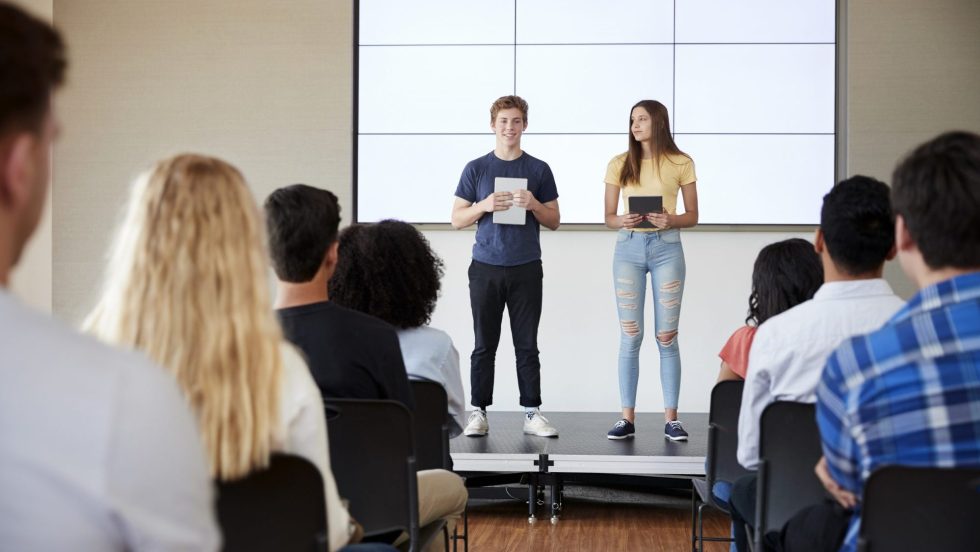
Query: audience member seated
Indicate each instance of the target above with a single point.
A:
(855, 238)
(98, 449)
(389, 271)
(909, 393)
(785, 274)
(352, 355)
(186, 284)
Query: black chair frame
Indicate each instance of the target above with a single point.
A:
(789, 448)
(721, 463)
(372, 455)
(919, 508)
(432, 441)
(282, 507)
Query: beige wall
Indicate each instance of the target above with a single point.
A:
(268, 86)
(913, 71)
(265, 85)
(31, 279)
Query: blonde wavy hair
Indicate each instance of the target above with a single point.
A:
(186, 284)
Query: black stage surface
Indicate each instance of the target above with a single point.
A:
(582, 446)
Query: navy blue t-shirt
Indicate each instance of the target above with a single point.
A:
(506, 244)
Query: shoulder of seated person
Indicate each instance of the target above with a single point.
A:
(789, 320)
(434, 334)
(363, 319)
(80, 353)
(364, 325)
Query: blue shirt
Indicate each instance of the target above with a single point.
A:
(908, 393)
(506, 244)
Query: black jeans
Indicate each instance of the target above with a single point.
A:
(818, 528)
(519, 289)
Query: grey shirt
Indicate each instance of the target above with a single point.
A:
(98, 449)
(429, 354)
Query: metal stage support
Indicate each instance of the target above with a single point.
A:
(506, 464)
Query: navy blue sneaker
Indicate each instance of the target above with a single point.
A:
(674, 431)
(621, 430)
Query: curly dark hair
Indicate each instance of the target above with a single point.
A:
(785, 274)
(387, 270)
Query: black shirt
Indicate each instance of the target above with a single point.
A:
(351, 355)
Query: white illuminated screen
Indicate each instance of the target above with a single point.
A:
(750, 86)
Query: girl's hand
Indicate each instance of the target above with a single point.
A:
(660, 220)
(630, 220)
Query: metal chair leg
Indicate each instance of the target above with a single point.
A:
(694, 519)
(466, 533)
(701, 527)
(697, 525)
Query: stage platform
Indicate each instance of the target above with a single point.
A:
(582, 446)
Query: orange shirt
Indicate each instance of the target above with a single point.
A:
(735, 353)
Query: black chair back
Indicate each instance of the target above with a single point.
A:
(431, 426)
(722, 460)
(789, 448)
(906, 508)
(373, 460)
(279, 508)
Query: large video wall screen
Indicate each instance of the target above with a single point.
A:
(750, 87)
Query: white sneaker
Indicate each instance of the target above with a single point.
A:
(476, 425)
(539, 425)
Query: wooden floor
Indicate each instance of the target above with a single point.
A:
(591, 526)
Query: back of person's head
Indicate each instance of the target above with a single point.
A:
(302, 224)
(32, 66)
(389, 271)
(936, 191)
(186, 284)
(857, 224)
(786, 273)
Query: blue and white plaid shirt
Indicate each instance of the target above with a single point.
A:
(908, 393)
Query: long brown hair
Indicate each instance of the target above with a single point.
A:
(663, 142)
(187, 285)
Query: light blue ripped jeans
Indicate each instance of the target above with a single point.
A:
(662, 255)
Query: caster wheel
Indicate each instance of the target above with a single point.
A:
(554, 520)
(532, 520)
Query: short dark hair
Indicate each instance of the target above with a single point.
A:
(32, 67)
(786, 273)
(857, 224)
(387, 270)
(936, 190)
(302, 223)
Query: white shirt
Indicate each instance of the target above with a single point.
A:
(790, 349)
(98, 449)
(429, 354)
(303, 431)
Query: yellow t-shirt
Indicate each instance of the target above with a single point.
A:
(675, 171)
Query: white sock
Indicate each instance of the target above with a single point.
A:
(530, 412)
